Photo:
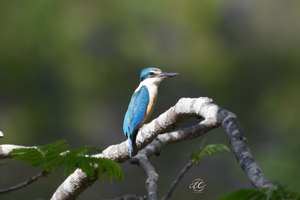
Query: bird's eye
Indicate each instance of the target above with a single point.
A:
(151, 73)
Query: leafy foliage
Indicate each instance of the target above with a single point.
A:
(277, 192)
(52, 157)
(245, 194)
(208, 150)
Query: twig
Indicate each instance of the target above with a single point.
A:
(24, 184)
(178, 178)
(151, 182)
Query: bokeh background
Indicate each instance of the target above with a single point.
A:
(68, 70)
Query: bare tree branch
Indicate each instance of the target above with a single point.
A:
(73, 186)
(24, 184)
(185, 108)
(160, 128)
(242, 153)
(151, 182)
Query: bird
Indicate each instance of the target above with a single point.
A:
(142, 102)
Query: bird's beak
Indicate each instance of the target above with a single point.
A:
(167, 75)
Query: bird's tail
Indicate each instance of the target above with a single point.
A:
(129, 146)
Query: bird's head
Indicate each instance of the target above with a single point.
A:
(155, 74)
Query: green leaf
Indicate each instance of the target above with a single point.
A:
(52, 157)
(278, 192)
(208, 150)
(244, 194)
(212, 148)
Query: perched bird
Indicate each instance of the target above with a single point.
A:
(143, 101)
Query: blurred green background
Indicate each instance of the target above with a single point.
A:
(68, 70)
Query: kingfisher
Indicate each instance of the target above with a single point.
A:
(143, 101)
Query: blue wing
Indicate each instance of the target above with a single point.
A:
(136, 111)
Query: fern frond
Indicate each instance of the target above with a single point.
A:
(208, 150)
(244, 194)
(277, 192)
(212, 148)
(52, 157)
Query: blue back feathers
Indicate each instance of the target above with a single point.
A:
(136, 111)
